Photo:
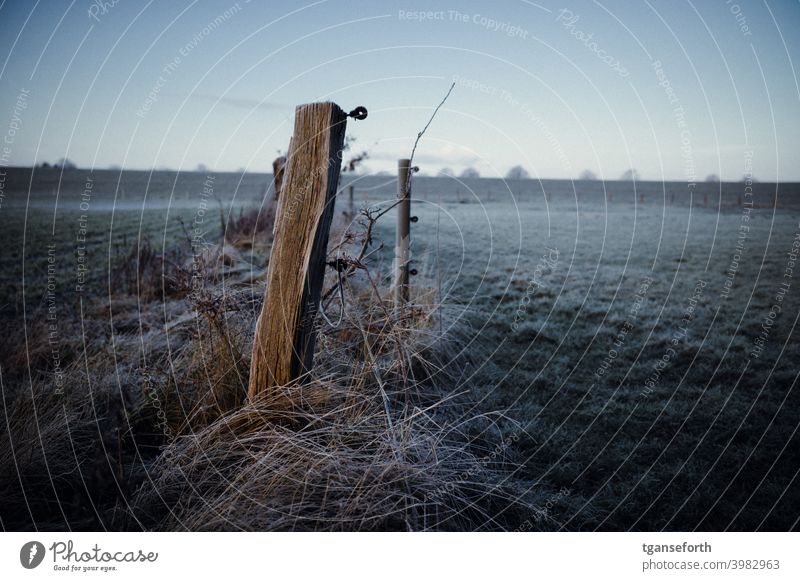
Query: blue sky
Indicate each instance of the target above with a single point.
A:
(675, 89)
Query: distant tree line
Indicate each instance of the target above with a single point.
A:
(62, 163)
(520, 173)
(517, 173)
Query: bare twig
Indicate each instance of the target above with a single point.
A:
(420, 134)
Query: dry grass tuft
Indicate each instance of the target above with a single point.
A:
(315, 457)
(64, 453)
(211, 370)
(143, 272)
(250, 226)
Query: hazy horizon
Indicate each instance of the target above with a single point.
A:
(386, 173)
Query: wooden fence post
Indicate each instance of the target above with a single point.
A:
(403, 230)
(283, 348)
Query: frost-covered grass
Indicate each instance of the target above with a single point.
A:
(606, 333)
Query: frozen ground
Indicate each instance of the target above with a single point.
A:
(646, 350)
(640, 344)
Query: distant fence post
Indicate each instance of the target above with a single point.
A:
(350, 192)
(278, 170)
(403, 230)
(278, 167)
(283, 348)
